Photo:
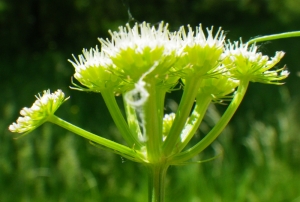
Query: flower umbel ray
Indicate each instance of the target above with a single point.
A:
(39, 112)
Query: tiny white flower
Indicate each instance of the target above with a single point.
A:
(38, 113)
(199, 39)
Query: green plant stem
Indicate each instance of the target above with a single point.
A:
(114, 110)
(151, 119)
(194, 121)
(161, 94)
(187, 100)
(132, 120)
(217, 129)
(275, 36)
(156, 182)
(121, 149)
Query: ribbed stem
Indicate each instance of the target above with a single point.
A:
(156, 182)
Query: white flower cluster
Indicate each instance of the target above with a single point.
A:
(138, 38)
(91, 70)
(133, 51)
(247, 63)
(38, 113)
(149, 54)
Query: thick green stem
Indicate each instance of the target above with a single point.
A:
(275, 36)
(184, 109)
(156, 182)
(121, 149)
(218, 128)
(151, 119)
(119, 120)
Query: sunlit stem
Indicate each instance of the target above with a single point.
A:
(217, 129)
(194, 121)
(151, 119)
(275, 36)
(114, 110)
(132, 120)
(187, 100)
(126, 151)
(161, 94)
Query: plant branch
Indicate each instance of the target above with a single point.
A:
(217, 129)
(121, 149)
(274, 37)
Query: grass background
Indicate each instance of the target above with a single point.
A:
(261, 146)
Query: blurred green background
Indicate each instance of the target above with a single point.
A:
(261, 146)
